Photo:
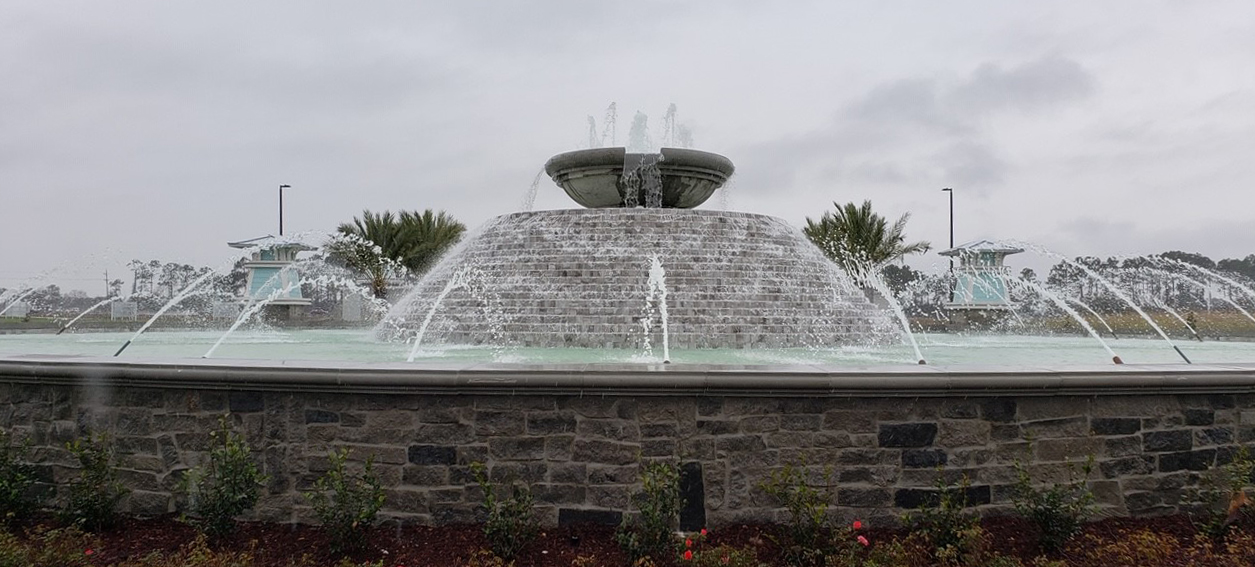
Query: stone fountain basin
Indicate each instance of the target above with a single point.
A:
(594, 178)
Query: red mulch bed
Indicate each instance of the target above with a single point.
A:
(277, 545)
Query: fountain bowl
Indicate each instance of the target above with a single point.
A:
(594, 178)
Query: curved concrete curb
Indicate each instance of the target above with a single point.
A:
(632, 379)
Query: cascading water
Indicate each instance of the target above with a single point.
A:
(1250, 292)
(529, 197)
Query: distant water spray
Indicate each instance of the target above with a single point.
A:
(1096, 315)
(252, 310)
(86, 311)
(1204, 287)
(529, 198)
(1178, 317)
(17, 300)
(879, 285)
(1061, 304)
(656, 301)
(1113, 289)
(1250, 292)
(183, 294)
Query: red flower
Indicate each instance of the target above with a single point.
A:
(858, 525)
(703, 531)
(863, 541)
(88, 552)
(688, 555)
(688, 543)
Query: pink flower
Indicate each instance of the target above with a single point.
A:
(688, 543)
(858, 525)
(863, 541)
(88, 552)
(703, 531)
(688, 555)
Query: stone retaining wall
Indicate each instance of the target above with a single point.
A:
(581, 451)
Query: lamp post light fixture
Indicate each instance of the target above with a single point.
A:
(281, 188)
(951, 192)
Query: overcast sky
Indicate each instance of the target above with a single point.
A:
(161, 130)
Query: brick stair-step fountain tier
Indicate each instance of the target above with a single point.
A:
(578, 278)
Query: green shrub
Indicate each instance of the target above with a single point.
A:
(226, 486)
(346, 504)
(1223, 497)
(809, 536)
(950, 534)
(17, 479)
(650, 534)
(1059, 510)
(66, 547)
(511, 523)
(94, 495)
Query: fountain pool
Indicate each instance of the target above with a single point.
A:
(360, 345)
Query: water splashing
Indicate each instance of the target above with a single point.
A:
(873, 279)
(656, 302)
(252, 310)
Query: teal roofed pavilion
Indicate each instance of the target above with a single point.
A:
(272, 275)
(980, 279)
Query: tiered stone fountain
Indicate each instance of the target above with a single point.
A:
(577, 277)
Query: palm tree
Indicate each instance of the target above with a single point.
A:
(859, 240)
(382, 246)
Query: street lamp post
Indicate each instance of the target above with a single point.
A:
(281, 188)
(951, 192)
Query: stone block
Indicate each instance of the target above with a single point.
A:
(512, 472)
(656, 430)
(442, 433)
(998, 410)
(1074, 449)
(608, 452)
(1115, 425)
(612, 429)
(968, 433)
(612, 474)
(850, 421)
(517, 448)
(568, 473)
(760, 424)
(716, 427)
(960, 409)
(321, 416)
(1167, 441)
(612, 497)
(559, 447)
(659, 447)
(425, 476)
(1055, 428)
(432, 455)
(740, 444)
(923, 458)
(1127, 466)
(1213, 436)
(246, 402)
(802, 422)
(582, 516)
(559, 493)
(864, 497)
(1199, 416)
(904, 435)
(494, 422)
(1199, 460)
(551, 423)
